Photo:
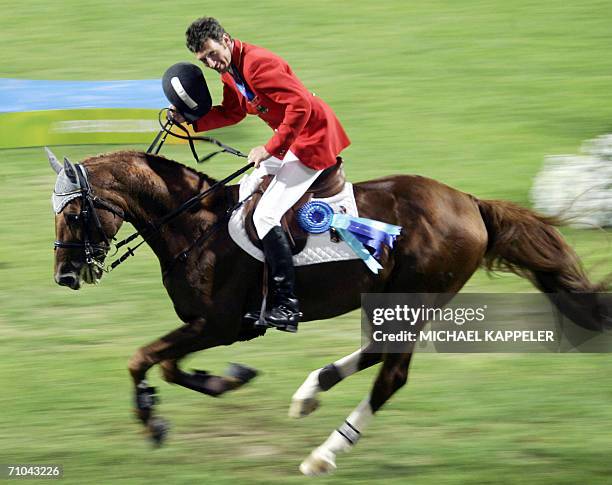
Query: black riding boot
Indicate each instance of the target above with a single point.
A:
(284, 313)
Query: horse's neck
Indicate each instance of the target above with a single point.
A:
(149, 188)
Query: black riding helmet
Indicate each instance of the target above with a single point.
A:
(185, 87)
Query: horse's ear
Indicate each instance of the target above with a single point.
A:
(55, 165)
(69, 170)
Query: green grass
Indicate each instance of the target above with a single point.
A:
(472, 93)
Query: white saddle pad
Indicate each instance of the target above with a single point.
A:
(319, 247)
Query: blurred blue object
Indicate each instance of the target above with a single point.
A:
(18, 95)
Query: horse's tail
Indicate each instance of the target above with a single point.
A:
(528, 244)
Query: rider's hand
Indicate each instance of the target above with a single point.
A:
(174, 115)
(258, 155)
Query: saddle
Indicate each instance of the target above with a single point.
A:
(329, 183)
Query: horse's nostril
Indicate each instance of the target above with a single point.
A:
(67, 280)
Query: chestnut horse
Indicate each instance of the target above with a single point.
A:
(447, 235)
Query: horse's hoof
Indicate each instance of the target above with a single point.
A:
(241, 372)
(318, 463)
(301, 408)
(158, 429)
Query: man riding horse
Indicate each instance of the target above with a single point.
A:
(212, 281)
(307, 139)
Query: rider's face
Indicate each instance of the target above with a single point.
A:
(216, 55)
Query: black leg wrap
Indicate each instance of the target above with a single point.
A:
(202, 381)
(241, 372)
(146, 397)
(329, 377)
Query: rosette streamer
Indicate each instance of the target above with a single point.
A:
(358, 232)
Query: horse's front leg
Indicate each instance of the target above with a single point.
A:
(173, 346)
(236, 376)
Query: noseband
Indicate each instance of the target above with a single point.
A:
(94, 253)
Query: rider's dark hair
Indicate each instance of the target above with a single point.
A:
(202, 29)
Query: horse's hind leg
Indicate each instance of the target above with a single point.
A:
(392, 376)
(305, 401)
(201, 381)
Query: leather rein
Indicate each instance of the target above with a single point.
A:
(95, 253)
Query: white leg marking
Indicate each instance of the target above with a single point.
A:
(323, 459)
(347, 366)
(304, 401)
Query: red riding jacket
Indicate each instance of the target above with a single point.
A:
(301, 121)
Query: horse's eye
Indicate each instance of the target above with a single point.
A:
(72, 218)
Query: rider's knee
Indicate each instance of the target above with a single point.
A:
(264, 221)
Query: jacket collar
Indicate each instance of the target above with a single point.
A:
(237, 54)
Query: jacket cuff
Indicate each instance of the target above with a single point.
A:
(274, 149)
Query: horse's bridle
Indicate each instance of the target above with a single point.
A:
(94, 253)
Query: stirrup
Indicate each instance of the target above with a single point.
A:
(286, 327)
(291, 321)
(254, 319)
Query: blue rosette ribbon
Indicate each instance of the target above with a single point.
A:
(359, 233)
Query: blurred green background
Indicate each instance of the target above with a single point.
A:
(472, 93)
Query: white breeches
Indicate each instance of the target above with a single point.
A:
(291, 180)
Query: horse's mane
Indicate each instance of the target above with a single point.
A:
(170, 182)
(147, 158)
